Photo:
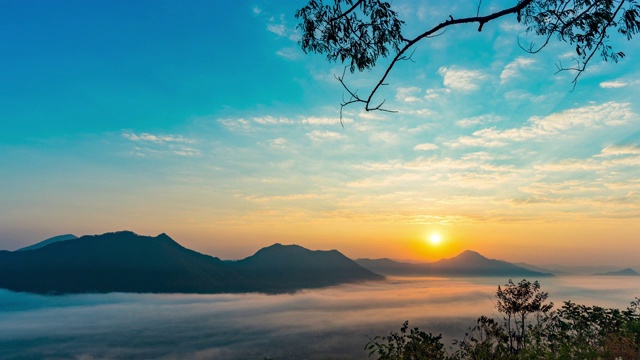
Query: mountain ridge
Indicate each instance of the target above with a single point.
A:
(127, 262)
(623, 272)
(48, 241)
(467, 263)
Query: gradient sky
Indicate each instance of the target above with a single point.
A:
(204, 120)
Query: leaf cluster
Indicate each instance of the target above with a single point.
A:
(578, 331)
(361, 33)
(586, 24)
(414, 345)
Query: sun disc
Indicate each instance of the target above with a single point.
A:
(435, 239)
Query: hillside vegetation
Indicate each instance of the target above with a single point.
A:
(528, 328)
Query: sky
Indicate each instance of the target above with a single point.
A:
(204, 120)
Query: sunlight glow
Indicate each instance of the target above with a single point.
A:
(435, 239)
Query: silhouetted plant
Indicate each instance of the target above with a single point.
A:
(592, 332)
(573, 331)
(485, 340)
(415, 345)
(517, 302)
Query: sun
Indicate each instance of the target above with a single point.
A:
(435, 239)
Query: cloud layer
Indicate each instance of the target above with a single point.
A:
(328, 322)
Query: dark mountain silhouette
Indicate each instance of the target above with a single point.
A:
(283, 267)
(468, 263)
(623, 272)
(120, 261)
(127, 262)
(49, 241)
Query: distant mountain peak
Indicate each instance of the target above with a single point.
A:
(467, 263)
(623, 272)
(48, 241)
(471, 254)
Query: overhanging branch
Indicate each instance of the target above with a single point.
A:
(481, 20)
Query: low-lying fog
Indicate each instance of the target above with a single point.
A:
(314, 324)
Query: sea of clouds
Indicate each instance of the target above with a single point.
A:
(313, 324)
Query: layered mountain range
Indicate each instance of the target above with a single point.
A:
(467, 263)
(127, 262)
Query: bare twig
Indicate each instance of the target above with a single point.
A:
(581, 67)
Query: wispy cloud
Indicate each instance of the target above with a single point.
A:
(408, 94)
(186, 151)
(152, 143)
(569, 165)
(565, 188)
(278, 142)
(284, 198)
(158, 139)
(426, 147)
(514, 69)
(477, 120)
(435, 94)
(371, 115)
(613, 150)
(607, 114)
(313, 120)
(271, 120)
(613, 84)
(320, 135)
(461, 79)
(621, 155)
(240, 124)
(277, 29)
(289, 53)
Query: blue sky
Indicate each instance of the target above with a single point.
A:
(206, 121)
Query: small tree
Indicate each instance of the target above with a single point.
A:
(517, 302)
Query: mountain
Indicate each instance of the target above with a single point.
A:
(579, 270)
(623, 272)
(283, 267)
(120, 261)
(126, 262)
(49, 241)
(467, 263)
(541, 269)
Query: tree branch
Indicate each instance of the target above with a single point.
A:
(346, 12)
(479, 19)
(582, 67)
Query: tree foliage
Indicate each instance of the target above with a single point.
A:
(360, 32)
(517, 302)
(415, 345)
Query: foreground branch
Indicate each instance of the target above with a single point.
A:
(481, 20)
